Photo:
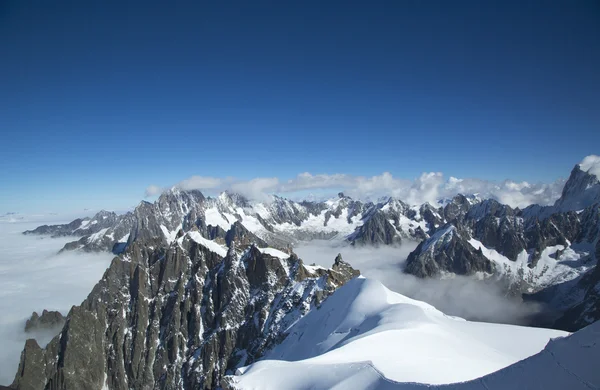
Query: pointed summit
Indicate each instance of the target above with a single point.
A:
(583, 187)
(338, 259)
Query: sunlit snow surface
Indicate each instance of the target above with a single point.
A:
(34, 277)
(573, 261)
(365, 331)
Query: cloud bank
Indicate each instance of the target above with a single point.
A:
(591, 164)
(429, 187)
(34, 277)
(461, 296)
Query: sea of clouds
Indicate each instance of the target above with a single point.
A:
(33, 277)
(459, 296)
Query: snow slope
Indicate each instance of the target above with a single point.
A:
(220, 250)
(550, 269)
(365, 333)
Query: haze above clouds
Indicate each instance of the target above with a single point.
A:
(34, 277)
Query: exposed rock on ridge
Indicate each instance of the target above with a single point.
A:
(177, 317)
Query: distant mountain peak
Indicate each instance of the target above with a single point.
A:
(582, 189)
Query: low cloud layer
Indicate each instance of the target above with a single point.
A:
(34, 277)
(460, 296)
(429, 187)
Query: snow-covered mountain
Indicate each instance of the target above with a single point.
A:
(364, 332)
(280, 223)
(527, 251)
(553, 248)
(191, 314)
(178, 316)
(207, 293)
(413, 358)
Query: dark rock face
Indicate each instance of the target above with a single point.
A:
(511, 231)
(242, 237)
(342, 271)
(504, 234)
(456, 209)
(447, 251)
(283, 210)
(177, 210)
(374, 231)
(581, 190)
(573, 222)
(79, 227)
(48, 320)
(57, 230)
(587, 310)
(431, 216)
(575, 304)
(179, 316)
(392, 221)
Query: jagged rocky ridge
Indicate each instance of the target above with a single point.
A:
(280, 223)
(178, 316)
(527, 251)
(47, 320)
(547, 253)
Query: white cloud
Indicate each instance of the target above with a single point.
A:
(591, 164)
(34, 277)
(202, 183)
(152, 190)
(429, 187)
(257, 189)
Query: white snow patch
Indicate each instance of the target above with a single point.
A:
(313, 268)
(548, 270)
(275, 253)
(83, 224)
(443, 235)
(98, 235)
(220, 250)
(215, 218)
(169, 236)
(316, 223)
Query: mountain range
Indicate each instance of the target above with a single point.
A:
(201, 287)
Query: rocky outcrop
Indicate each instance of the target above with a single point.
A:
(375, 230)
(242, 237)
(342, 271)
(177, 316)
(278, 223)
(79, 227)
(581, 190)
(447, 251)
(511, 232)
(58, 230)
(586, 310)
(48, 320)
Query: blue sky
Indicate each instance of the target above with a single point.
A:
(100, 100)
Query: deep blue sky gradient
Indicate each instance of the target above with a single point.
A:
(99, 99)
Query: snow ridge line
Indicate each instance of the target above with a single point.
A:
(584, 382)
